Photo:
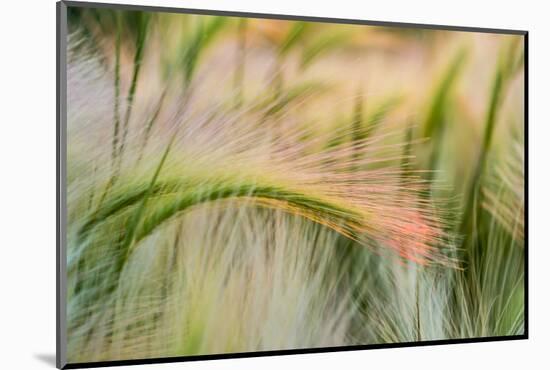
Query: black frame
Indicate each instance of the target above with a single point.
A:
(61, 116)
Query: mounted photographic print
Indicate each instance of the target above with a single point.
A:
(234, 184)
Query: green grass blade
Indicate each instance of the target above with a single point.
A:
(294, 36)
(142, 29)
(324, 44)
(443, 90)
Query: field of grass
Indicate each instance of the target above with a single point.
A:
(238, 185)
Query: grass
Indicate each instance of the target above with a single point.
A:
(367, 188)
(142, 20)
(505, 70)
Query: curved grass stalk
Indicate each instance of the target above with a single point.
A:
(405, 227)
(181, 195)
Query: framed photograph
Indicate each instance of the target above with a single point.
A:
(236, 184)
